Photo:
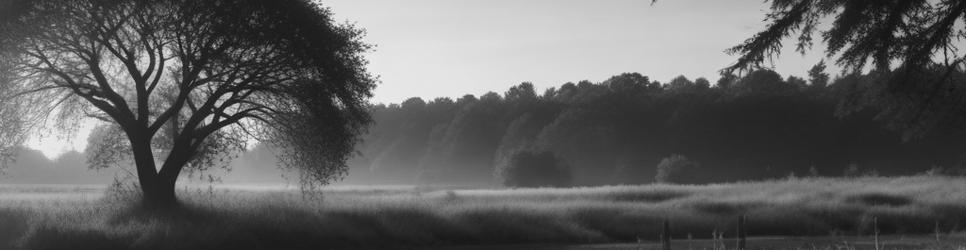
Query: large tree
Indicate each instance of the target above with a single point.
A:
(186, 82)
(911, 44)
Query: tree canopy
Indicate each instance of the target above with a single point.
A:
(186, 82)
(757, 126)
(911, 45)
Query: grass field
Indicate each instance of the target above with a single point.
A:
(913, 211)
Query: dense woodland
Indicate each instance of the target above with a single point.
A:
(621, 131)
(617, 131)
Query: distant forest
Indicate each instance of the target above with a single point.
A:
(618, 131)
(758, 126)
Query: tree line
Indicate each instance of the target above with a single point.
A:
(625, 130)
(756, 126)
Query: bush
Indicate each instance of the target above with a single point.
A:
(530, 169)
(677, 169)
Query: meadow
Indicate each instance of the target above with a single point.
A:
(920, 211)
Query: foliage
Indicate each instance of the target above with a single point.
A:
(758, 126)
(676, 169)
(912, 45)
(817, 75)
(535, 169)
(11, 122)
(909, 32)
(188, 83)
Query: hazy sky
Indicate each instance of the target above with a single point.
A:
(433, 48)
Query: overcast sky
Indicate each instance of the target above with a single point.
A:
(434, 48)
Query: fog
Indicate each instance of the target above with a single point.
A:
(627, 129)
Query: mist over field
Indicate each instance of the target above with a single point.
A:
(919, 212)
(33, 167)
(479, 124)
(618, 131)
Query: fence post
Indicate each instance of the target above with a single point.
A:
(875, 226)
(742, 232)
(666, 235)
(714, 239)
(937, 231)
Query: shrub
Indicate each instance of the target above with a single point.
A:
(677, 169)
(531, 169)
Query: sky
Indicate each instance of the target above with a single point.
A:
(435, 48)
(449, 48)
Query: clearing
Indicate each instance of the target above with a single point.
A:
(831, 212)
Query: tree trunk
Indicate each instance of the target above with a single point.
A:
(167, 177)
(157, 190)
(161, 193)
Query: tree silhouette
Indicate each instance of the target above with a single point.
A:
(910, 32)
(676, 169)
(817, 76)
(910, 43)
(186, 82)
(534, 169)
(758, 126)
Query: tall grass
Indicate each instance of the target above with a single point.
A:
(237, 218)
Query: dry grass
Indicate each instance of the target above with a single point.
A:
(51, 217)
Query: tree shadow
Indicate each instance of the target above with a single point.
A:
(13, 225)
(193, 226)
(61, 238)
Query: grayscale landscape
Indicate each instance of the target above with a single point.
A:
(436, 124)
